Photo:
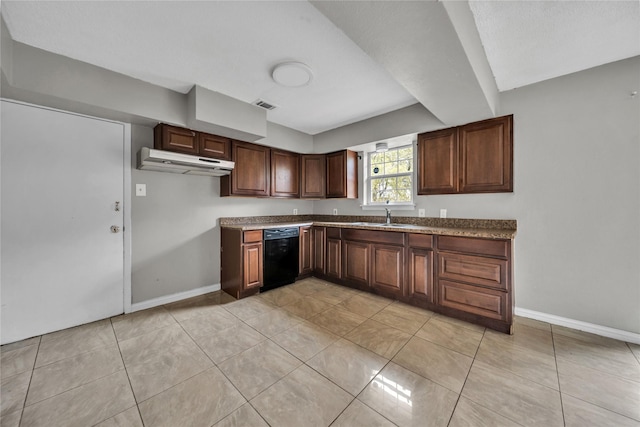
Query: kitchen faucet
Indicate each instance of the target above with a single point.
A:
(388, 215)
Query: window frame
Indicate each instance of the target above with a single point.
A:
(367, 203)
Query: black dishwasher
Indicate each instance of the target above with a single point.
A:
(280, 257)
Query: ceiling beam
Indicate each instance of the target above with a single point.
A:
(427, 48)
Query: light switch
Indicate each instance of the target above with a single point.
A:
(141, 190)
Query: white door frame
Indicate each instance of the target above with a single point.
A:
(126, 161)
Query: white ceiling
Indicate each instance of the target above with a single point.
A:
(530, 41)
(232, 46)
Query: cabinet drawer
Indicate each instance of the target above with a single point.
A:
(252, 236)
(477, 270)
(333, 233)
(369, 236)
(472, 245)
(473, 299)
(424, 241)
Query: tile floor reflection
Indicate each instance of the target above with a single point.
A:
(315, 354)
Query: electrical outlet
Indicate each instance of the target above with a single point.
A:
(443, 213)
(141, 190)
(295, 211)
(335, 211)
(421, 213)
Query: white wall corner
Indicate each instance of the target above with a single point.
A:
(166, 299)
(604, 331)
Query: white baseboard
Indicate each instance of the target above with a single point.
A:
(174, 297)
(604, 331)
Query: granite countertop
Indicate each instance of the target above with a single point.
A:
(488, 229)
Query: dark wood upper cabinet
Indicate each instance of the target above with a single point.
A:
(172, 138)
(486, 156)
(285, 174)
(186, 141)
(342, 174)
(474, 158)
(214, 146)
(313, 176)
(438, 162)
(251, 175)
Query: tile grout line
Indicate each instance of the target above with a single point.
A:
(473, 360)
(578, 398)
(247, 401)
(24, 402)
(124, 365)
(555, 359)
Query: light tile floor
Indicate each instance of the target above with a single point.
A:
(315, 354)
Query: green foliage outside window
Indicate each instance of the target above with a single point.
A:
(391, 176)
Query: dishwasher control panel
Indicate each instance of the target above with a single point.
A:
(280, 233)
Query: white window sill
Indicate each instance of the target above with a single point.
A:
(405, 207)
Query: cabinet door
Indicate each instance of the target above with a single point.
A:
(342, 175)
(486, 158)
(313, 176)
(172, 138)
(356, 262)
(252, 268)
(421, 275)
(319, 250)
(387, 269)
(285, 174)
(251, 175)
(306, 251)
(214, 146)
(334, 258)
(438, 162)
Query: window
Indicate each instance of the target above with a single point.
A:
(389, 177)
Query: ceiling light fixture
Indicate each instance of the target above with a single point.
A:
(381, 147)
(292, 74)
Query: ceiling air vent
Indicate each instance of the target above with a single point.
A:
(264, 104)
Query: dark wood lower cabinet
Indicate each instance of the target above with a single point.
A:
(306, 252)
(319, 251)
(387, 270)
(356, 262)
(252, 264)
(420, 286)
(463, 277)
(333, 259)
(241, 262)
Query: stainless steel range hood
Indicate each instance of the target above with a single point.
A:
(167, 161)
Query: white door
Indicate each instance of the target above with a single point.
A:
(62, 190)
